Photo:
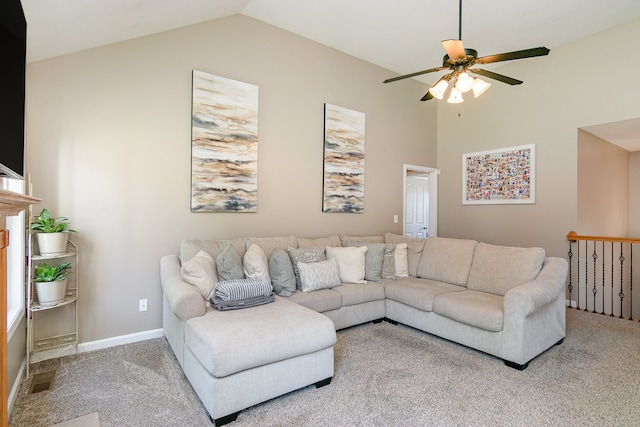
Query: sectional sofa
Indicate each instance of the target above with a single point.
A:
(505, 301)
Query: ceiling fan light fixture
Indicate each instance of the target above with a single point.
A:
(439, 88)
(464, 82)
(455, 97)
(479, 87)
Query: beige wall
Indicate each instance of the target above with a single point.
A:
(574, 86)
(603, 187)
(108, 145)
(634, 194)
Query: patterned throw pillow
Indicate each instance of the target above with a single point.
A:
(237, 290)
(389, 262)
(305, 255)
(319, 275)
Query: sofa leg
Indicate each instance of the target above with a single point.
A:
(226, 419)
(324, 382)
(393, 322)
(517, 366)
(378, 321)
(560, 342)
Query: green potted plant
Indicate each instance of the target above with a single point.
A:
(53, 233)
(51, 282)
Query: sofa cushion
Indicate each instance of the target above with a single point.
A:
(332, 240)
(354, 294)
(313, 254)
(229, 264)
(417, 293)
(345, 240)
(372, 259)
(351, 262)
(200, 271)
(414, 249)
(446, 260)
(255, 263)
(496, 269)
(226, 342)
(268, 244)
(189, 248)
(400, 260)
(283, 279)
(479, 309)
(320, 301)
(318, 275)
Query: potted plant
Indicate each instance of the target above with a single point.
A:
(51, 282)
(53, 233)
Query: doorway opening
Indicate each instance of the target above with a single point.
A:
(420, 198)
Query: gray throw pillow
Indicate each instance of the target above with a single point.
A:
(372, 259)
(305, 255)
(283, 279)
(229, 264)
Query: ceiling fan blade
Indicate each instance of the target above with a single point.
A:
(417, 73)
(427, 96)
(454, 48)
(518, 54)
(495, 76)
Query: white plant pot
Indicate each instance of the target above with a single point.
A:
(51, 293)
(52, 243)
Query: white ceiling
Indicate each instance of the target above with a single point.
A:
(400, 35)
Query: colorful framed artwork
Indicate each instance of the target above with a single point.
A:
(502, 176)
(343, 173)
(224, 145)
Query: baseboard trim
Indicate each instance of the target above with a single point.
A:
(16, 385)
(571, 303)
(120, 340)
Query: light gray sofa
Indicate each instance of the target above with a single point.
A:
(507, 302)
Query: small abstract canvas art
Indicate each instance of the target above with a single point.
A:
(224, 145)
(343, 188)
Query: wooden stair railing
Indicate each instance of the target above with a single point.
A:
(603, 274)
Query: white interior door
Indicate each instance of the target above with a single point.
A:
(416, 217)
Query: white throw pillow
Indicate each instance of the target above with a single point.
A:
(402, 263)
(318, 275)
(351, 262)
(200, 271)
(255, 263)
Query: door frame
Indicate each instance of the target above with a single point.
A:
(433, 195)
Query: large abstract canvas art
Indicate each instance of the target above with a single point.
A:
(224, 145)
(344, 131)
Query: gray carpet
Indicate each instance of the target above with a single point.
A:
(386, 375)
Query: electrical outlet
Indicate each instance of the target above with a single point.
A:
(142, 305)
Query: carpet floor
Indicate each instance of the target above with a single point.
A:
(385, 375)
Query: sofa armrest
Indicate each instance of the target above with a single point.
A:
(185, 300)
(527, 298)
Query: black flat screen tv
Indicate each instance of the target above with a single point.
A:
(13, 48)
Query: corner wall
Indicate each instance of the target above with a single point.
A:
(576, 85)
(109, 140)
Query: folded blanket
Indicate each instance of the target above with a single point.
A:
(222, 305)
(235, 290)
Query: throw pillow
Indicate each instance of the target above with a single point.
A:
(414, 249)
(281, 272)
(319, 275)
(351, 262)
(372, 259)
(400, 260)
(200, 271)
(315, 254)
(388, 262)
(229, 264)
(255, 263)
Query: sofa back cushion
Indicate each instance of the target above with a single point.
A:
(268, 244)
(446, 260)
(304, 243)
(497, 269)
(414, 249)
(190, 248)
(345, 240)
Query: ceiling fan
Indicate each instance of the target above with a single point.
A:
(461, 62)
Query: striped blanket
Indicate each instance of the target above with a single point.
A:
(241, 289)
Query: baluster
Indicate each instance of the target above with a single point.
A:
(586, 275)
(578, 281)
(630, 281)
(595, 260)
(621, 294)
(570, 287)
(603, 261)
(612, 279)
